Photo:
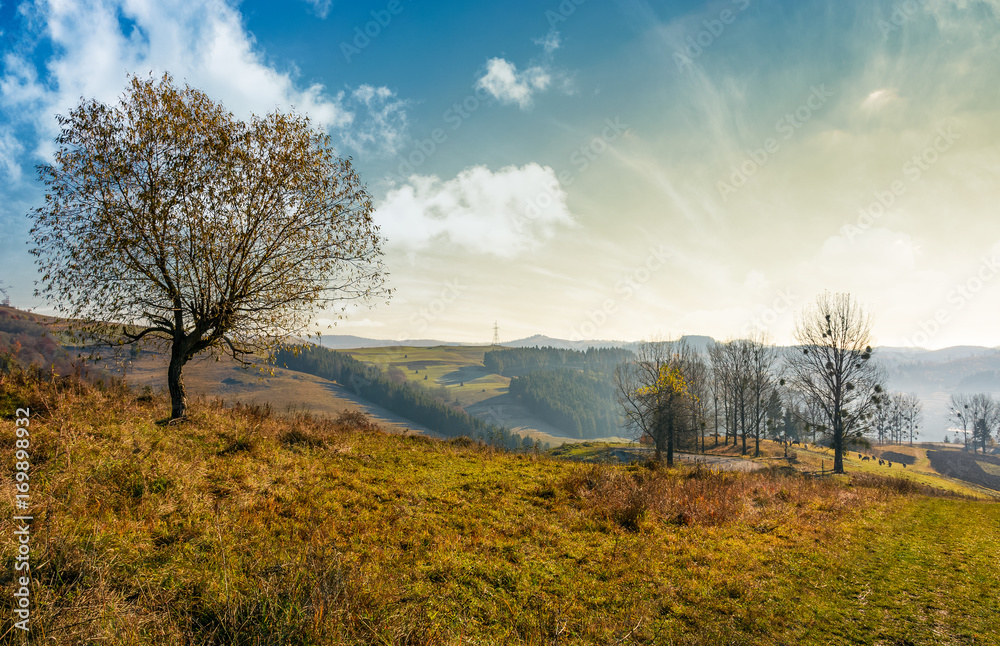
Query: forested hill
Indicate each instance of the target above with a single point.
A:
(407, 399)
(26, 338)
(513, 362)
(570, 389)
(581, 404)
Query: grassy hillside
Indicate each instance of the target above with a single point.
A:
(458, 368)
(479, 391)
(242, 528)
(283, 390)
(816, 459)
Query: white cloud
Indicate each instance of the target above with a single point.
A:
(204, 44)
(320, 7)
(550, 43)
(502, 213)
(507, 85)
(383, 130)
(879, 99)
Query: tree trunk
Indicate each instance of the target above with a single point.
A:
(838, 447)
(743, 424)
(670, 443)
(175, 384)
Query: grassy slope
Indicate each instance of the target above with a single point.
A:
(240, 528)
(283, 390)
(460, 370)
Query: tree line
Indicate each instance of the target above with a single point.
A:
(828, 386)
(979, 417)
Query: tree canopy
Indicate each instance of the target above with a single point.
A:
(168, 217)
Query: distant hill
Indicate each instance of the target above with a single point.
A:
(351, 342)
(933, 375)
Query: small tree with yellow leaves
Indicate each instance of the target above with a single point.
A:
(656, 394)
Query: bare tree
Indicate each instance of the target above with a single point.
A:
(958, 413)
(979, 415)
(884, 415)
(912, 411)
(655, 394)
(762, 358)
(833, 368)
(743, 372)
(729, 378)
(174, 220)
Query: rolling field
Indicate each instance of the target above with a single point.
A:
(480, 392)
(284, 391)
(243, 528)
(457, 368)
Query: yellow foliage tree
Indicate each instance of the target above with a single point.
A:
(656, 395)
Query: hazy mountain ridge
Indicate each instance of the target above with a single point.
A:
(932, 375)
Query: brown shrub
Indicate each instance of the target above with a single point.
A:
(695, 496)
(355, 421)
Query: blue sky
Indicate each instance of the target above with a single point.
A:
(591, 169)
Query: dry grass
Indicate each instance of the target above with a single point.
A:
(245, 527)
(706, 497)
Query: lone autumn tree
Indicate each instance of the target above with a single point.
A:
(167, 217)
(833, 369)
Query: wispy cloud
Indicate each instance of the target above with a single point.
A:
(380, 123)
(320, 7)
(10, 150)
(550, 42)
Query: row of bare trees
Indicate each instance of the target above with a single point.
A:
(748, 389)
(978, 416)
(897, 418)
(744, 379)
